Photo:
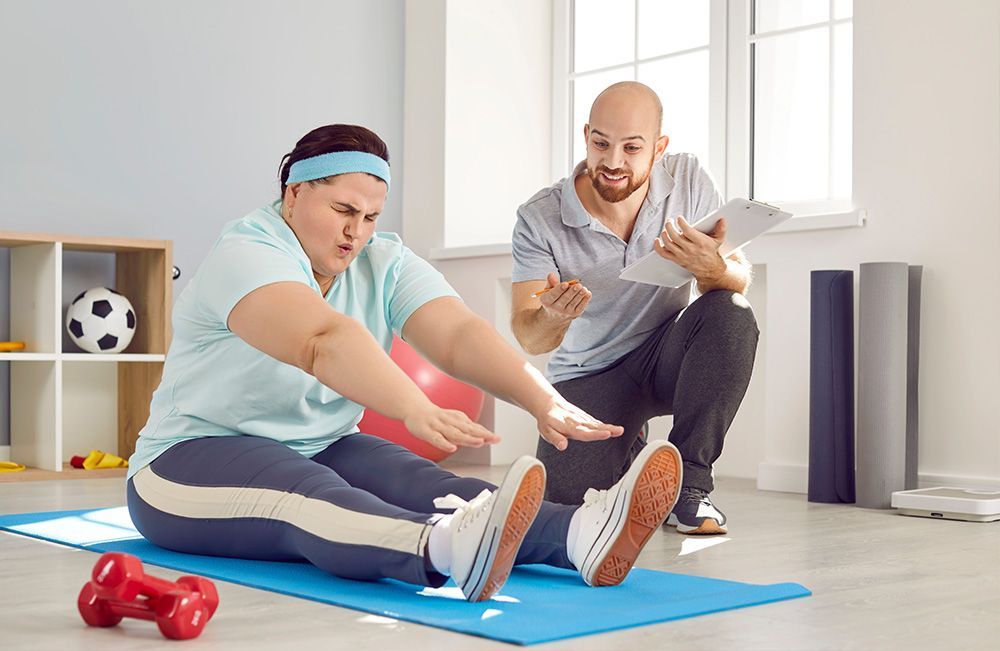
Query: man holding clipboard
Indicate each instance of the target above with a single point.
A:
(626, 351)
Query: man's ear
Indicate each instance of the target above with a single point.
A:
(661, 147)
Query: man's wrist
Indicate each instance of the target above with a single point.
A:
(713, 277)
(553, 318)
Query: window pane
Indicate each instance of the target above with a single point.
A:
(603, 34)
(667, 26)
(682, 84)
(791, 137)
(771, 15)
(843, 8)
(585, 91)
(840, 138)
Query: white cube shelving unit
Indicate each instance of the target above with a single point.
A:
(93, 400)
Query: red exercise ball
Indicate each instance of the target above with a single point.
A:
(442, 389)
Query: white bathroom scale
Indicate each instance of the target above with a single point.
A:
(948, 503)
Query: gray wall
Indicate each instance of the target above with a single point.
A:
(166, 119)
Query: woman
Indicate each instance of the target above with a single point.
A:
(280, 341)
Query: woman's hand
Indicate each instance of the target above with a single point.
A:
(560, 420)
(446, 429)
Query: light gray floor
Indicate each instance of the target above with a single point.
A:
(880, 581)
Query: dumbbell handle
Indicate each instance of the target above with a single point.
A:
(136, 609)
(108, 568)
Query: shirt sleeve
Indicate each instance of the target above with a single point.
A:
(533, 259)
(234, 269)
(416, 283)
(705, 195)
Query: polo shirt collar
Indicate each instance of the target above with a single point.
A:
(661, 183)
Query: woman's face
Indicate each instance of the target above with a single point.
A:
(334, 220)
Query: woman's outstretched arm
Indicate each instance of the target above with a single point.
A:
(292, 323)
(465, 346)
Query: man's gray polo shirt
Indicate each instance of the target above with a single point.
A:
(555, 233)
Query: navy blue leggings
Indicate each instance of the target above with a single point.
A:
(359, 509)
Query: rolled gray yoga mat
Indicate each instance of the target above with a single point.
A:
(831, 387)
(888, 345)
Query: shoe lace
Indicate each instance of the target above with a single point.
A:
(466, 511)
(691, 494)
(596, 497)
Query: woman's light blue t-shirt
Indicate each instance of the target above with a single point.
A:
(215, 384)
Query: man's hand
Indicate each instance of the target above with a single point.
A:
(562, 300)
(695, 251)
(560, 420)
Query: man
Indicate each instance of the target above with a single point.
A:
(626, 352)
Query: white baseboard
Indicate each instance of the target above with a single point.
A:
(794, 478)
(4, 453)
(784, 478)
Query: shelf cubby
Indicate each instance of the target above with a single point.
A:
(65, 402)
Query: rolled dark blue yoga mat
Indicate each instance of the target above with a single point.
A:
(831, 387)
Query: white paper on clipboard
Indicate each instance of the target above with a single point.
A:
(745, 220)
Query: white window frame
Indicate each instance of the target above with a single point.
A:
(729, 102)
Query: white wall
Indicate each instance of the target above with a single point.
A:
(498, 97)
(926, 169)
(166, 119)
(478, 102)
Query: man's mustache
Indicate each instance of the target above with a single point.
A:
(610, 172)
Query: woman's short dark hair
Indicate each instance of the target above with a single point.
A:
(331, 138)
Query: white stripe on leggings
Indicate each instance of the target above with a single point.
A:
(318, 517)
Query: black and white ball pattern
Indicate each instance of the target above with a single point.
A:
(100, 320)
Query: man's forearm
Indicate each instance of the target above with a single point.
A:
(735, 278)
(537, 331)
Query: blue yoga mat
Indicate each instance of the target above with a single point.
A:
(537, 604)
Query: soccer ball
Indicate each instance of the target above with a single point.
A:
(100, 320)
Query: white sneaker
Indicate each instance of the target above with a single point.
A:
(615, 523)
(487, 531)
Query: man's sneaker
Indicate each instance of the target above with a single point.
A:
(615, 523)
(487, 531)
(695, 514)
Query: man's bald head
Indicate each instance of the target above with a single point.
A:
(631, 100)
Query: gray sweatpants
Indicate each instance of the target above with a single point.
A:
(696, 366)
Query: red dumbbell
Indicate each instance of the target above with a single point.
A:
(180, 614)
(120, 577)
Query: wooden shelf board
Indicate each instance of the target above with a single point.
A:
(83, 243)
(81, 357)
(116, 357)
(68, 472)
(27, 357)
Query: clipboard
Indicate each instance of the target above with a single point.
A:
(745, 221)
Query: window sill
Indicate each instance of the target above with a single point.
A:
(472, 251)
(849, 219)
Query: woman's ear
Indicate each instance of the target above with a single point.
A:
(291, 195)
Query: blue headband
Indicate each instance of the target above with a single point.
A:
(338, 162)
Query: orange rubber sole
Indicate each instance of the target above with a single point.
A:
(707, 528)
(522, 513)
(652, 500)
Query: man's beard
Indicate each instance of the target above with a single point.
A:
(616, 194)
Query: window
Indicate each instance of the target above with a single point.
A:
(662, 43)
(758, 90)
